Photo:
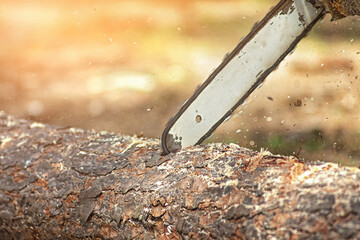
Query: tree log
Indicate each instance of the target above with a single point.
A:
(67, 183)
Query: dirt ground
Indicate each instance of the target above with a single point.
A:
(127, 66)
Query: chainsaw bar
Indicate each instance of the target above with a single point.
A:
(241, 72)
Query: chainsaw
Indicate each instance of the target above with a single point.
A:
(241, 72)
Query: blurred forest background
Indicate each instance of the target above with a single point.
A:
(127, 66)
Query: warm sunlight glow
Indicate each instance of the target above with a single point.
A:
(128, 65)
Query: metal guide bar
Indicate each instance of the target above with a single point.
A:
(193, 113)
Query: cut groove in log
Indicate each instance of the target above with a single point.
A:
(58, 183)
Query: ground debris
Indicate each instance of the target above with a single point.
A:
(69, 183)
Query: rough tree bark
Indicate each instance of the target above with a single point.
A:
(58, 183)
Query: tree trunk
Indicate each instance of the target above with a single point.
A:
(58, 183)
